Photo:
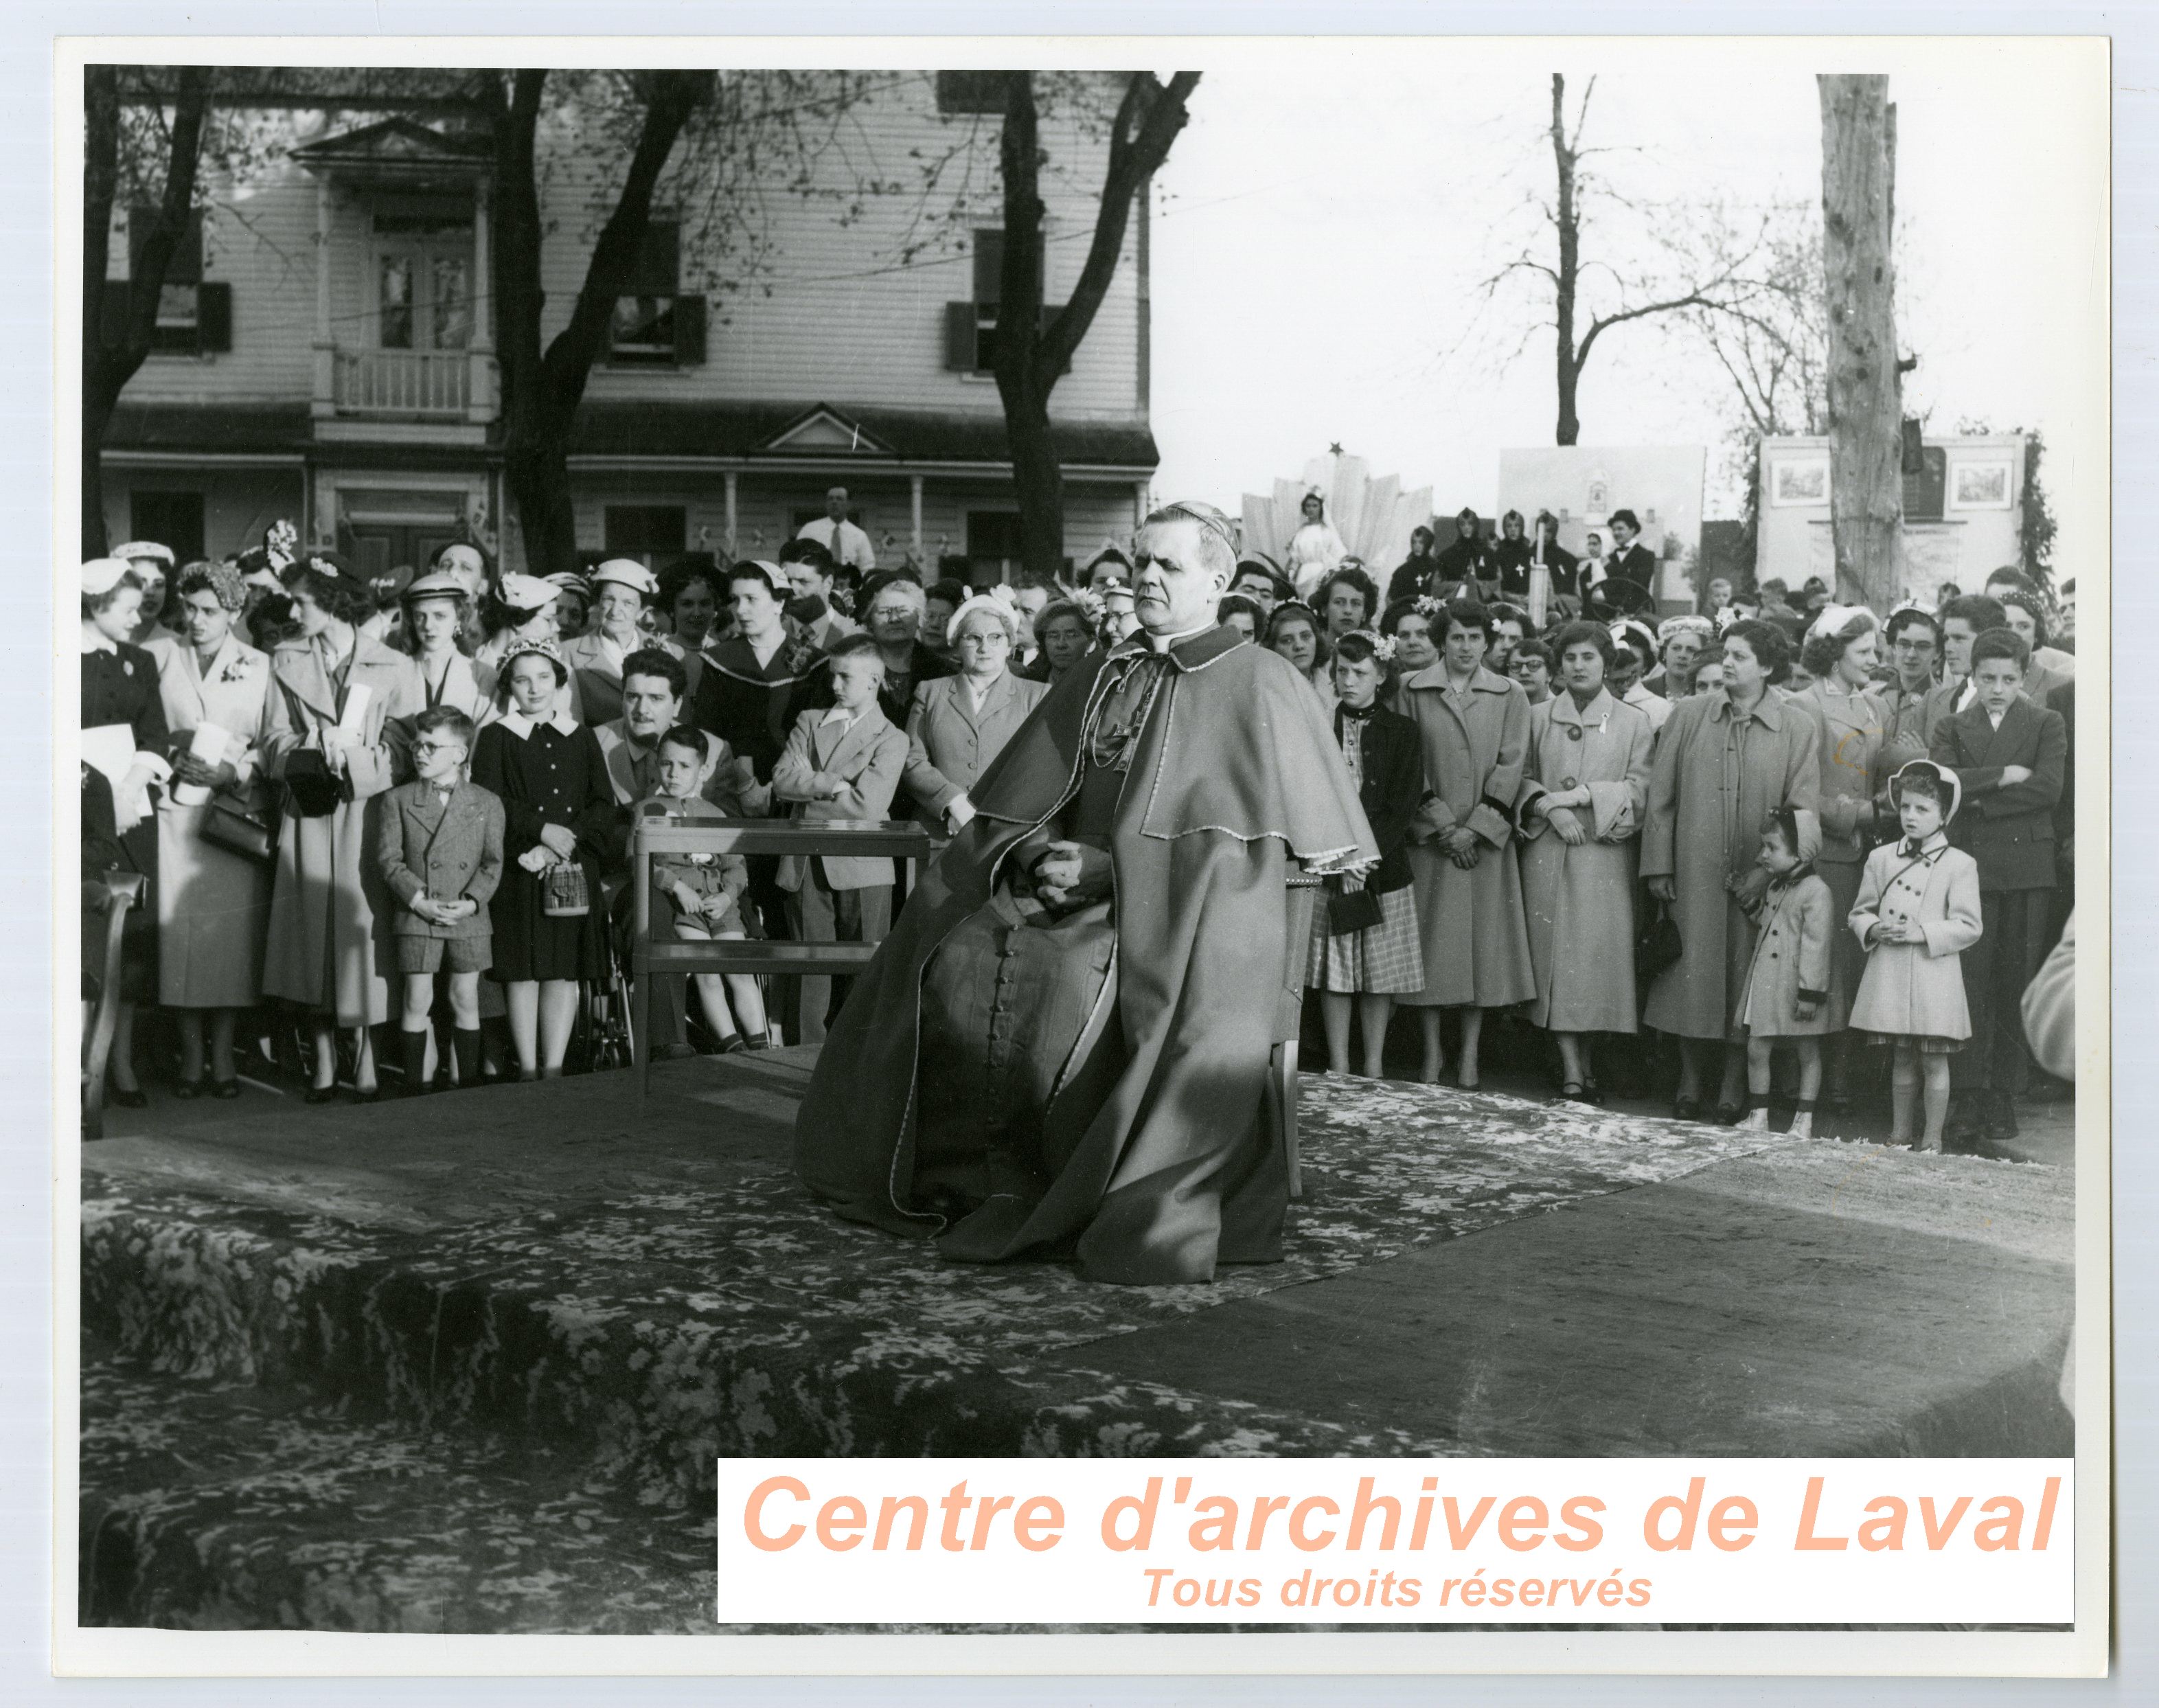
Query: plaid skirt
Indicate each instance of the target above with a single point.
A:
(1384, 960)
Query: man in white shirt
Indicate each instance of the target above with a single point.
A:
(848, 544)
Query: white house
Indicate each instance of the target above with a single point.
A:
(326, 353)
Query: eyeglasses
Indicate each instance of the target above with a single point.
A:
(424, 748)
(1913, 642)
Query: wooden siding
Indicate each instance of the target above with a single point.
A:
(834, 316)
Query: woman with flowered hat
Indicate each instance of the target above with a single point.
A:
(214, 905)
(336, 734)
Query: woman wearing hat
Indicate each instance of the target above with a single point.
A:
(522, 609)
(622, 589)
(573, 602)
(1723, 763)
(335, 734)
(125, 738)
(435, 610)
(1636, 651)
(957, 725)
(213, 903)
(1851, 727)
(559, 815)
(1682, 642)
(151, 565)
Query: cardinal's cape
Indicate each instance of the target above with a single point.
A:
(1157, 1161)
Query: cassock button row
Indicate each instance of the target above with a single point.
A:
(1568, 783)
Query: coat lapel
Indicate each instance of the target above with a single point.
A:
(2000, 743)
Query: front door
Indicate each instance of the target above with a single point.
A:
(379, 547)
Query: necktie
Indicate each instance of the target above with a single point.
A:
(1909, 849)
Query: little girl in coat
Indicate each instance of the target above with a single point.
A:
(1788, 993)
(1917, 912)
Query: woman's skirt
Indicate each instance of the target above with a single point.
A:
(213, 916)
(1383, 959)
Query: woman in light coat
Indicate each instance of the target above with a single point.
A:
(1585, 787)
(1724, 761)
(323, 948)
(1851, 728)
(957, 725)
(1475, 731)
(213, 904)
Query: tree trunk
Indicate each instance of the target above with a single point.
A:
(112, 352)
(1567, 361)
(543, 386)
(1032, 356)
(1865, 389)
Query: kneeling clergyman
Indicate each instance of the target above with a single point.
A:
(1061, 1048)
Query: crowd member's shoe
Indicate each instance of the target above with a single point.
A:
(1729, 1115)
(1755, 1120)
(1962, 1126)
(1998, 1125)
(731, 1045)
(763, 1041)
(1573, 1091)
(320, 1093)
(1593, 1093)
(372, 1094)
(1687, 1108)
(1803, 1125)
(226, 1089)
(187, 1091)
(674, 1053)
(137, 1099)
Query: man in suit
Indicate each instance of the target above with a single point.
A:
(654, 686)
(1631, 560)
(841, 765)
(809, 568)
(2010, 756)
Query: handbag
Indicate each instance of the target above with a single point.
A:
(1352, 910)
(564, 892)
(311, 785)
(1656, 944)
(232, 827)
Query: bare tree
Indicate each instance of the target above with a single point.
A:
(1586, 297)
(1034, 349)
(1865, 385)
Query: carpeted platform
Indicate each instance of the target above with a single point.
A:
(443, 1304)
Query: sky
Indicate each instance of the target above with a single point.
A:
(1324, 220)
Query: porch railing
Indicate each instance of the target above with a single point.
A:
(404, 382)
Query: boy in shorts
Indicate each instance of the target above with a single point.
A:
(440, 848)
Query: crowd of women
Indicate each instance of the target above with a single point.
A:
(1569, 812)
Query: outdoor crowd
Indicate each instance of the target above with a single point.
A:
(1765, 824)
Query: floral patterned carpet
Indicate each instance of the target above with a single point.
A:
(275, 1403)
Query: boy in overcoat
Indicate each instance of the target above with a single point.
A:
(2011, 755)
(841, 765)
(439, 845)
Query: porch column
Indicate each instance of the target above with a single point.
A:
(914, 493)
(325, 398)
(1139, 504)
(729, 480)
(479, 392)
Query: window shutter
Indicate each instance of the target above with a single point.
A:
(689, 331)
(989, 266)
(214, 317)
(959, 337)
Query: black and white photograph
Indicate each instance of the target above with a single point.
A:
(1368, 750)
